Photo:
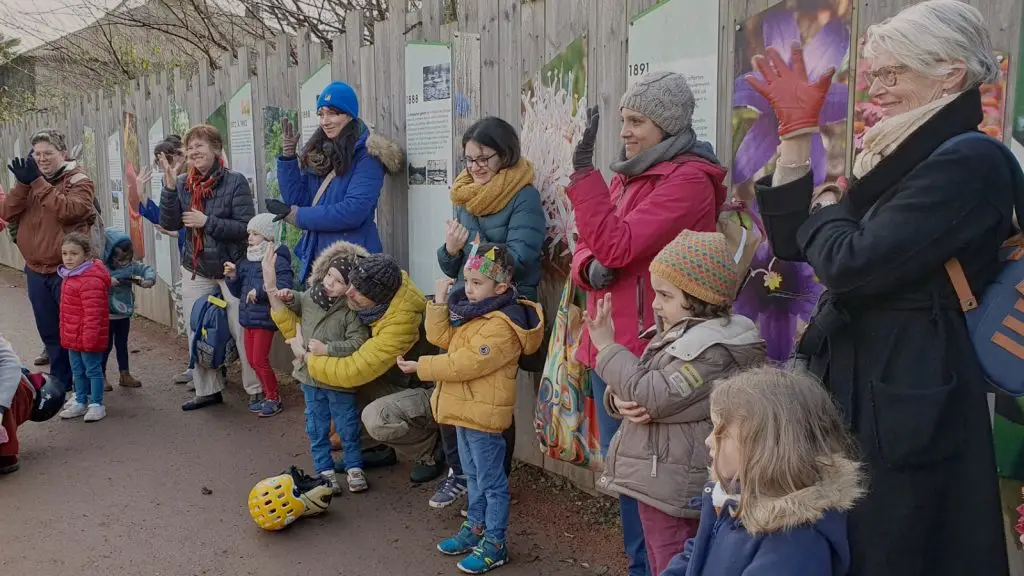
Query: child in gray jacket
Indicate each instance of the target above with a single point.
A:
(658, 455)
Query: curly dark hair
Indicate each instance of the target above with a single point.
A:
(80, 240)
(702, 309)
(321, 154)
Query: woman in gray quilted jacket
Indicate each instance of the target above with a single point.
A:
(212, 205)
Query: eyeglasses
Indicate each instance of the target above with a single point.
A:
(887, 75)
(479, 161)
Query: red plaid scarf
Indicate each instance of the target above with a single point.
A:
(201, 187)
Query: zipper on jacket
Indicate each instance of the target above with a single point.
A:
(652, 439)
(640, 305)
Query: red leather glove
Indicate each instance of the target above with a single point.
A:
(797, 102)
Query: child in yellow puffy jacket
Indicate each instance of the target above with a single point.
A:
(486, 328)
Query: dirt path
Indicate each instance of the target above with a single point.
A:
(126, 495)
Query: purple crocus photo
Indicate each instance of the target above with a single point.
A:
(781, 295)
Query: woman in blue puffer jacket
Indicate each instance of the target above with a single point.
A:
(331, 189)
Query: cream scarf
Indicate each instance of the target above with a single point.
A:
(883, 138)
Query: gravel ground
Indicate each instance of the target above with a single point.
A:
(154, 491)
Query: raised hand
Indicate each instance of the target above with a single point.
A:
(796, 100)
(270, 272)
(289, 139)
(602, 329)
(441, 288)
(142, 182)
(230, 270)
(25, 169)
(170, 172)
(455, 238)
(583, 156)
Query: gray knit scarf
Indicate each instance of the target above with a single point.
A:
(667, 149)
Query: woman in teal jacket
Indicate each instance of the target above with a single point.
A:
(495, 198)
(343, 151)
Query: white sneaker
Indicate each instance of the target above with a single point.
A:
(357, 480)
(332, 479)
(73, 410)
(96, 413)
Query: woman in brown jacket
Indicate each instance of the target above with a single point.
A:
(658, 455)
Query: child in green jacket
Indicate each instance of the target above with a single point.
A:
(332, 329)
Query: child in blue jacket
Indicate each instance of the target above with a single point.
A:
(125, 273)
(779, 436)
(245, 281)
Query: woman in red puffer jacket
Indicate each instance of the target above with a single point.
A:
(84, 324)
(666, 181)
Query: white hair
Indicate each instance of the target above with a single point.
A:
(931, 36)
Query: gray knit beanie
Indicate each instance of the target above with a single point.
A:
(264, 225)
(664, 97)
(377, 277)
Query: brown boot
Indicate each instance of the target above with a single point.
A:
(106, 384)
(128, 381)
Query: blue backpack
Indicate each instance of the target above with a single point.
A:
(212, 345)
(996, 322)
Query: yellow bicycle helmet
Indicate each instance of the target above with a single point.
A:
(276, 502)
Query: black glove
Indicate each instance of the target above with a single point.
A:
(599, 276)
(25, 169)
(278, 208)
(583, 156)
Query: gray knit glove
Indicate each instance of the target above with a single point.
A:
(598, 276)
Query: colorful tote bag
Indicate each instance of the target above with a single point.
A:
(565, 418)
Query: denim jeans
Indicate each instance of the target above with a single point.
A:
(632, 529)
(322, 405)
(87, 373)
(483, 459)
(450, 445)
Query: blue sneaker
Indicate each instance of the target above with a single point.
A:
(270, 408)
(451, 490)
(256, 403)
(486, 556)
(462, 542)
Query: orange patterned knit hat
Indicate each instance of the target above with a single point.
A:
(699, 264)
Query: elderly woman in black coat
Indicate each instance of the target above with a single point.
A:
(889, 339)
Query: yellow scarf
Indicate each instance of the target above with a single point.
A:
(491, 198)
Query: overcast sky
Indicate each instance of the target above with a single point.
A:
(39, 21)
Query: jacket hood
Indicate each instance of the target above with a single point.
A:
(527, 319)
(389, 153)
(114, 237)
(838, 491)
(408, 299)
(339, 248)
(740, 336)
(714, 171)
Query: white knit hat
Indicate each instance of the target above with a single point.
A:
(264, 225)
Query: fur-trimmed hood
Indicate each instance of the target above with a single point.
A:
(389, 153)
(339, 248)
(838, 491)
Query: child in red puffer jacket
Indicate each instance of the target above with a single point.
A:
(84, 324)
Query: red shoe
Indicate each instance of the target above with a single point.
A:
(9, 464)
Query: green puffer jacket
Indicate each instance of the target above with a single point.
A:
(339, 328)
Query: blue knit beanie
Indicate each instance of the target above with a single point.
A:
(341, 97)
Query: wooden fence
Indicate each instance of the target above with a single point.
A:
(497, 44)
